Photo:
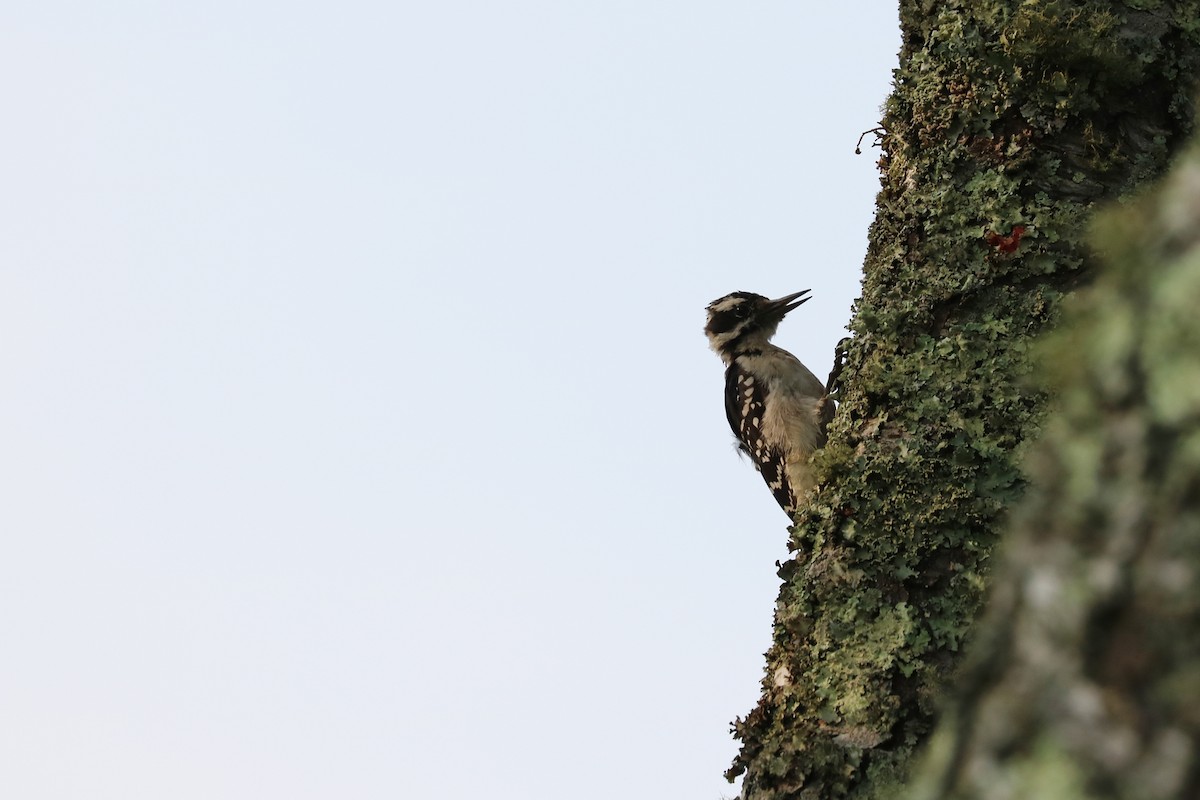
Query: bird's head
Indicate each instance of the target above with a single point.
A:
(746, 321)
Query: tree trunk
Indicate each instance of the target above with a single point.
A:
(1009, 122)
(1084, 680)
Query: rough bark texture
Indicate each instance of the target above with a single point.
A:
(1004, 114)
(1084, 681)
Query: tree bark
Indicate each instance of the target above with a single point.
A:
(1009, 122)
(1084, 680)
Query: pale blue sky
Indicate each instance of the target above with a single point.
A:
(359, 436)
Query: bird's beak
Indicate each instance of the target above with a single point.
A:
(786, 303)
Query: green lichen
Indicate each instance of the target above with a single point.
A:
(1003, 114)
(1084, 677)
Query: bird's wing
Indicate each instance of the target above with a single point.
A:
(745, 404)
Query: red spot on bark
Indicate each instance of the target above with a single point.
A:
(1005, 244)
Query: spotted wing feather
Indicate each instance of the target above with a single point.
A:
(745, 405)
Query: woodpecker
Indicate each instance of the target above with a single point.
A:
(777, 408)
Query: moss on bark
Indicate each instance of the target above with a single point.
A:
(1085, 678)
(1004, 114)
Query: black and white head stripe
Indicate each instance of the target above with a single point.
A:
(731, 317)
(731, 311)
(743, 321)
